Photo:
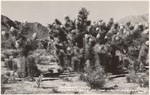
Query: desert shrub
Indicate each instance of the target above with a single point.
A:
(3, 44)
(141, 79)
(6, 54)
(15, 66)
(11, 64)
(133, 52)
(42, 60)
(36, 71)
(15, 53)
(55, 90)
(53, 59)
(132, 78)
(11, 52)
(126, 63)
(43, 57)
(95, 79)
(31, 66)
(3, 89)
(12, 79)
(10, 43)
(19, 73)
(3, 57)
(8, 77)
(4, 79)
(40, 51)
(83, 76)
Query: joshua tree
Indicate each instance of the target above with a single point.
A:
(26, 46)
(81, 26)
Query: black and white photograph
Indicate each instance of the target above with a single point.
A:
(75, 47)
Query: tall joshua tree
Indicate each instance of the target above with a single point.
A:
(28, 46)
(81, 25)
(82, 19)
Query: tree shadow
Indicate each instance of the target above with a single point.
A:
(51, 75)
(47, 87)
(52, 79)
(117, 76)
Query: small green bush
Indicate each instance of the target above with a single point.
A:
(3, 88)
(3, 44)
(40, 51)
(42, 60)
(132, 78)
(82, 76)
(19, 73)
(4, 78)
(11, 64)
(141, 79)
(11, 52)
(6, 54)
(3, 57)
(15, 53)
(53, 59)
(95, 79)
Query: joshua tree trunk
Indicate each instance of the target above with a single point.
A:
(30, 71)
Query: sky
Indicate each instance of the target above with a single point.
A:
(45, 12)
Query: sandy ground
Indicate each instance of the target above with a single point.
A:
(71, 85)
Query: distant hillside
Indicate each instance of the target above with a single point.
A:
(6, 23)
(42, 31)
(135, 19)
